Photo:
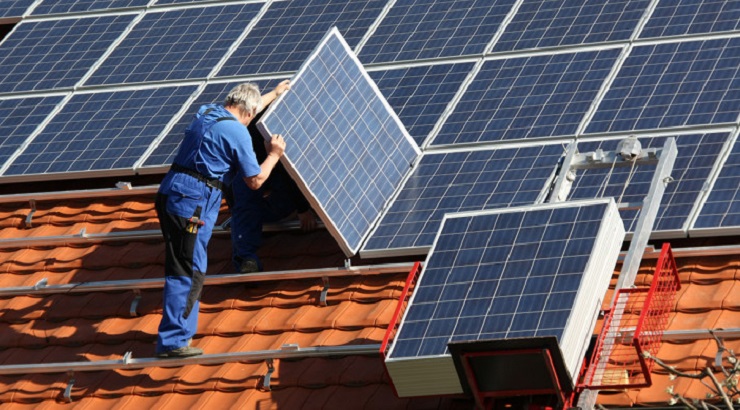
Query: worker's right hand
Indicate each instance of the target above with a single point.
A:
(277, 145)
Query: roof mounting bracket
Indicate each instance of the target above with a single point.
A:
(325, 291)
(29, 223)
(268, 375)
(41, 284)
(124, 185)
(135, 303)
(347, 263)
(68, 390)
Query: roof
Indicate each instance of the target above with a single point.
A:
(248, 316)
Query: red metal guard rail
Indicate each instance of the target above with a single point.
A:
(410, 280)
(633, 327)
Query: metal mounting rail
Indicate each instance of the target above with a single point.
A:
(43, 289)
(127, 362)
(122, 189)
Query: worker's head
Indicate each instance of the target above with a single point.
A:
(246, 99)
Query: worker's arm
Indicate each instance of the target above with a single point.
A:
(272, 95)
(276, 149)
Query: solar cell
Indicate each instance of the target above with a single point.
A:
(76, 6)
(14, 8)
(346, 148)
(545, 23)
(460, 181)
(42, 55)
(528, 97)
(101, 131)
(419, 29)
(722, 207)
(696, 158)
(19, 118)
(175, 44)
(421, 94)
(284, 37)
(679, 17)
(673, 84)
(524, 272)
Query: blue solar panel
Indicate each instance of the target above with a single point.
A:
(697, 155)
(344, 143)
(670, 85)
(545, 23)
(460, 181)
(529, 97)
(19, 118)
(101, 131)
(421, 94)
(76, 6)
(55, 53)
(417, 29)
(175, 45)
(722, 206)
(678, 17)
(503, 274)
(14, 8)
(286, 34)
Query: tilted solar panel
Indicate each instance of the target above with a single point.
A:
(101, 131)
(76, 6)
(721, 210)
(678, 17)
(175, 45)
(671, 85)
(528, 97)
(346, 148)
(15, 8)
(419, 29)
(19, 118)
(284, 37)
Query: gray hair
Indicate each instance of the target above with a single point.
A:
(246, 97)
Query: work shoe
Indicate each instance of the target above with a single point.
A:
(249, 266)
(185, 351)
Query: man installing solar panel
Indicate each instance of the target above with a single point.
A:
(215, 150)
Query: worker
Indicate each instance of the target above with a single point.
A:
(278, 199)
(215, 149)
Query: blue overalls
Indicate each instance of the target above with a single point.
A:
(215, 148)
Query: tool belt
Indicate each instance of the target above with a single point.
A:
(213, 183)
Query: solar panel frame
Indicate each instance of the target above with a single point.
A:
(349, 203)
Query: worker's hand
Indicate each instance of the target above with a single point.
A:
(276, 145)
(307, 220)
(282, 87)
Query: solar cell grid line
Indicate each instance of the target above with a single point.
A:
(53, 54)
(542, 23)
(18, 120)
(284, 37)
(673, 85)
(720, 212)
(696, 160)
(424, 29)
(77, 6)
(176, 44)
(15, 8)
(523, 272)
(100, 131)
(535, 97)
(346, 148)
(421, 94)
(457, 181)
(681, 17)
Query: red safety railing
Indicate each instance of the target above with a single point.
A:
(633, 329)
(402, 301)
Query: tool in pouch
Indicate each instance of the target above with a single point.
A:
(195, 222)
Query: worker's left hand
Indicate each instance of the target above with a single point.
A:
(282, 87)
(307, 220)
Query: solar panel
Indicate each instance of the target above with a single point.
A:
(524, 272)
(674, 84)
(528, 97)
(681, 17)
(49, 54)
(697, 155)
(284, 37)
(543, 23)
(19, 118)
(101, 131)
(175, 45)
(721, 210)
(14, 8)
(76, 6)
(421, 94)
(346, 148)
(460, 181)
(419, 29)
